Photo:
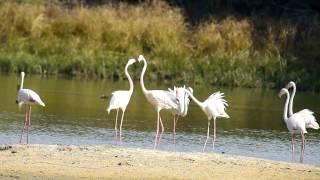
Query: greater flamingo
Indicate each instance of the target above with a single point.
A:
(214, 107)
(295, 123)
(305, 114)
(120, 99)
(27, 97)
(180, 94)
(161, 99)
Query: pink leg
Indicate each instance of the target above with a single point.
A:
(121, 125)
(175, 121)
(174, 129)
(214, 133)
(162, 127)
(292, 146)
(302, 147)
(161, 133)
(205, 143)
(25, 123)
(155, 141)
(115, 126)
(29, 123)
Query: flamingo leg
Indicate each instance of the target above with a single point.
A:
(205, 143)
(28, 123)
(302, 147)
(121, 124)
(25, 123)
(161, 133)
(214, 133)
(155, 141)
(292, 146)
(174, 129)
(175, 120)
(115, 126)
(162, 127)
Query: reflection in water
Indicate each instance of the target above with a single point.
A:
(75, 115)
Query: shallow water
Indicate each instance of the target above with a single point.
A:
(75, 115)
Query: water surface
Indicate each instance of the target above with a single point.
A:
(75, 115)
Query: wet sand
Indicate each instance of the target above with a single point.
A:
(76, 162)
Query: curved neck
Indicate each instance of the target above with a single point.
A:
(22, 80)
(142, 75)
(285, 109)
(194, 99)
(185, 108)
(129, 78)
(291, 100)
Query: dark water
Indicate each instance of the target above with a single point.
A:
(75, 115)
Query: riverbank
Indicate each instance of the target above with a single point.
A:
(50, 37)
(74, 162)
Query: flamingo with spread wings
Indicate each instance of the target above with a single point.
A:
(214, 107)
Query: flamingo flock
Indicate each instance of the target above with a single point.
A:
(176, 101)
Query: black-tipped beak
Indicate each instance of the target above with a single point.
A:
(17, 101)
(104, 97)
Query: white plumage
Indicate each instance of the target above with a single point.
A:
(299, 121)
(214, 107)
(120, 99)
(296, 123)
(306, 115)
(160, 99)
(27, 97)
(180, 95)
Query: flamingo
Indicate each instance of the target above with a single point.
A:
(180, 94)
(214, 107)
(161, 99)
(305, 114)
(120, 99)
(295, 123)
(27, 97)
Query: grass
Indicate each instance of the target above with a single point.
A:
(47, 37)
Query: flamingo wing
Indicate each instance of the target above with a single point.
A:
(28, 96)
(308, 118)
(217, 104)
(119, 99)
(162, 99)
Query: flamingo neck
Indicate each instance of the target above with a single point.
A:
(129, 78)
(185, 108)
(142, 75)
(194, 99)
(22, 80)
(291, 100)
(285, 109)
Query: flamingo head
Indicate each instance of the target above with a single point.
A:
(140, 58)
(290, 84)
(23, 74)
(190, 89)
(282, 92)
(131, 61)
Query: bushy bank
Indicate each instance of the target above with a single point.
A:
(49, 37)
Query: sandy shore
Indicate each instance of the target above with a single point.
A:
(74, 162)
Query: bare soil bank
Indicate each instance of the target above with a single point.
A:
(75, 162)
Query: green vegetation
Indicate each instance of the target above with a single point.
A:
(49, 37)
